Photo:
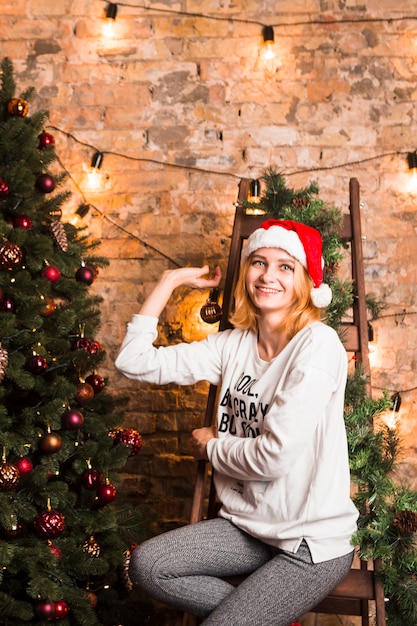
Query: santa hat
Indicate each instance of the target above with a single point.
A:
(302, 242)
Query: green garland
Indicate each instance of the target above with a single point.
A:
(388, 509)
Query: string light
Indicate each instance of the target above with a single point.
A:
(82, 210)
(111, 11)
(254, 190)
(287, 174)
(230, 19)
(412, 160)
(94, 177)
(268, 53)
(108, 27)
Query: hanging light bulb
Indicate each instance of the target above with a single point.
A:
(111, 13)
(392, 419)
(82, 210)
(412, 160)
(396, 402)
(79, 214)
(411, 183)
(254, 197)
(94, 177)
(268, 52)
(254, 190)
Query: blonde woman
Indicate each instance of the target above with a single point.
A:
(278, 448)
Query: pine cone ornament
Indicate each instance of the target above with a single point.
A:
(406, 521)
(4, 361)
(60, 236)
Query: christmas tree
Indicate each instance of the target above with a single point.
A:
(64, 538)
(387, 523)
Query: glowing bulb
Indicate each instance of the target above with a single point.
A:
(411, 184)
(108, 27)
(268, 52)
(94, 176)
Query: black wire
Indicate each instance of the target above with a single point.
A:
(224, 18)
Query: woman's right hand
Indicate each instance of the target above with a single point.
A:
(194, 277)
(181, 277)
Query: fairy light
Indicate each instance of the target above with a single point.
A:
(268, 52)
(109, 22)
(94, 176)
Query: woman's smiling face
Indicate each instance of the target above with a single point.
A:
(270, 279)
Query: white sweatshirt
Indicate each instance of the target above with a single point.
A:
(280, 458)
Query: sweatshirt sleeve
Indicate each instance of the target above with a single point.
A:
(309, 404)
(182, 363)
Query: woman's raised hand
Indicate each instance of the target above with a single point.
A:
(194, 277)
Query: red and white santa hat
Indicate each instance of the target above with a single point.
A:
(302, 242)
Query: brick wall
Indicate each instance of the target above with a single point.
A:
(175, 88)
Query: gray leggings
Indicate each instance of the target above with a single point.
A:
(184, 567)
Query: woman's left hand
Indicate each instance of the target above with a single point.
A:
(199, 439)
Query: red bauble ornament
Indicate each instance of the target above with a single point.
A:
(4, 187)
(24, 465)
(61, 610)
(72, 419)
(52, 273)
(23, 221)
(96, 381)
(95, 347)
(50, 443)
(49, 524)
(83, 344)
(55, 550)
(84, 393)
(45, 140)
(44, 609)
(37, 364)
(129, 437)
(91, 479)
(85, 274)
(45, 183)
(9, 476)
(106, 493)
(88, 345)
(8, 304)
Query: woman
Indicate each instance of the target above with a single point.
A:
(278, 449)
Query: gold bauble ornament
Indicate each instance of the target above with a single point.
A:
(10, 255)
(9, 476)
(50, 443)
(84, 393)
(48, 308)
(18, 106)
(211, 311)
(91, 547)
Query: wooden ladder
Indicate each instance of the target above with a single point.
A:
(362, 585)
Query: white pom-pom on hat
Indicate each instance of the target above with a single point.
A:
(302, 242)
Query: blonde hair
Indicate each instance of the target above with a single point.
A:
(245, 314)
